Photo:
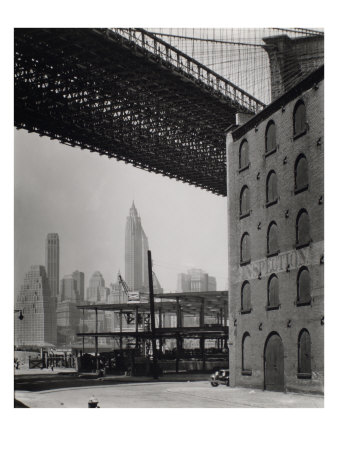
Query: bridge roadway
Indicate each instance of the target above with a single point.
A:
(127, 94)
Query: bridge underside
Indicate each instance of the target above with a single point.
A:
(96, 90)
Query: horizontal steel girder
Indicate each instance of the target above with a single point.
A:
(96, 90)
(188, 332)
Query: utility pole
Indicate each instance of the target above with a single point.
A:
(152, 316)
(96, 342)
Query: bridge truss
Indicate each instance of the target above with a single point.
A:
(129, 95)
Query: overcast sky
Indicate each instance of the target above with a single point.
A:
(85, 198)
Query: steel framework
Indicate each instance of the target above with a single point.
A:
(127, 94)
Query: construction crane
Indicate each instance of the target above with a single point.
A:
(131, 295)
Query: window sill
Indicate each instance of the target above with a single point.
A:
(243, 168)
(245, 263)
(299, 190)
(298, 246)
(271, 203)
(271, 152)
(298, 135)
(304, 376)
(270, 255)
(272, 307)
(246, 311)
(247, 372)
(242, 216)
(303, 303)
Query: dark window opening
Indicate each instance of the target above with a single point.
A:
(299, 119)
(245, 297)
(244, 155)
(271, 189)
(304, 355)
(245, 249)
(270, 138)
(246, 354)
(303, 229)
(303, 287)
(272, 240)
(273, 292)
(301, 174)
(244, 204)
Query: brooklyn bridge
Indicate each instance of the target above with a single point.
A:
(130, 95)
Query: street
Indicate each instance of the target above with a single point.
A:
(164, 394)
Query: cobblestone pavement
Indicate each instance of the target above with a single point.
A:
(197, 394)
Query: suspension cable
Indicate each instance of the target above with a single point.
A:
(211, 40)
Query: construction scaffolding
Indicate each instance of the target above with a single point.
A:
(201, 317)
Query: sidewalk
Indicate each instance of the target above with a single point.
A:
(182, 376)
(27, 371)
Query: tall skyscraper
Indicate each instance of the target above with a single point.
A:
(38, 326)
(136, 247)
(79, 277)
(53, 262)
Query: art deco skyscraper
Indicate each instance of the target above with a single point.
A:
(136, 247)
(53, 262)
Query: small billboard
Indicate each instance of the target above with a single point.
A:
(133, 296)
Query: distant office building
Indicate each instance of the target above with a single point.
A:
(117, 294)
(97, 292)
(38, 327)
(68, 315)
(53, 262)
(68, 320)
(68, 290)
(79, 277)
(196, 280)
(136, 257)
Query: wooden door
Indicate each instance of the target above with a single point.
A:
(274, 364)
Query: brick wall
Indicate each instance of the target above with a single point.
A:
(289, 319)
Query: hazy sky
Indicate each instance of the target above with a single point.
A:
(85, 198)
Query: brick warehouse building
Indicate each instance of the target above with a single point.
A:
(276, 219)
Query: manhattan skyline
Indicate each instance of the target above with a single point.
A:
(86, 199)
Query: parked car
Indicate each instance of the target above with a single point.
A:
(220, 376)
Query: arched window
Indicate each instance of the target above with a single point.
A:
(301, 174)
(304, 355)
(271, 188)
(273, 292)
(244, 155)
(246, 297)
(270, 138)
(299, 119)
(244, 203)
(246, 354)
(303, 287)
(303, 229)
(245, 248)
(272, 239)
